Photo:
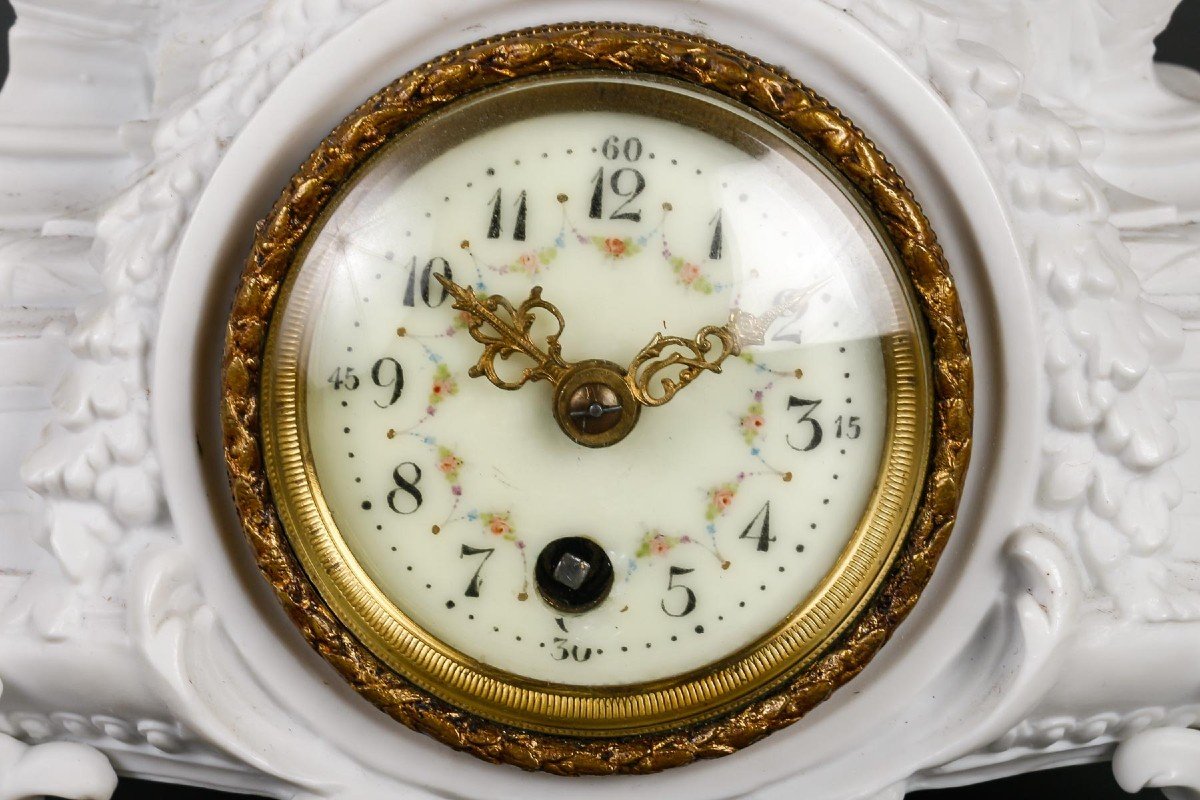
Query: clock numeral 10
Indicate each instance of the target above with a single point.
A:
(429, 287)
(494, 227)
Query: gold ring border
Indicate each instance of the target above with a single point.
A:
(622, 49)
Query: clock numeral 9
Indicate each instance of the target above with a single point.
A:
(386, 373)
(574, 653)
(396, 498)
(689, 603)
(429, 287)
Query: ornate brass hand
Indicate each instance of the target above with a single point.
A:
(511, 326)
(706, 351)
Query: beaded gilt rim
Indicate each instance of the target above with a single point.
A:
(617, 49)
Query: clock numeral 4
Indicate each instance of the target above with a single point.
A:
(689, 597)
(761, 520)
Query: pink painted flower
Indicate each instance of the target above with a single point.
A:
(529, 262)
(753, 422)
(498, 525)
(614, 247)
(449, 464)
(722, 498)
(659, 545)
(689, 272)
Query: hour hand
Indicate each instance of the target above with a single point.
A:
(504, 330)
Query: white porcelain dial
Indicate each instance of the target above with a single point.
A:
(641, 208)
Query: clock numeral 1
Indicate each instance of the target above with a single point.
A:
(689, 604)
(486, 552)
(494, 227)
(429, 287)
(716, 245)
(763, 520)
(405, 488)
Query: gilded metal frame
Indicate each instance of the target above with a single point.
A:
(492, 731)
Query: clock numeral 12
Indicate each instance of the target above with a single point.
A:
(621, 188)
(518, 234)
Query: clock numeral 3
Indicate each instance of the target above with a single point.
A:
(405, 488)
(813, 428)
(486, 552)
(763, 520)
(689, 604)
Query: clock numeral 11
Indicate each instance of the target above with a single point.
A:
(494, 227)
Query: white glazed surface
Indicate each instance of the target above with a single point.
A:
(1022, 128)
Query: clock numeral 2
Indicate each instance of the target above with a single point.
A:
(763, 520)
(518, 234)
(405, 488)
(689, 604)
(486, 552)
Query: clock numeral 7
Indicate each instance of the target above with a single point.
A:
(486, 552)
(689, 604)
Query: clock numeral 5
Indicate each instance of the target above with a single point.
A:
(689, 604)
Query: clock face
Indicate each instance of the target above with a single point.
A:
(590, 397)
(721, 511)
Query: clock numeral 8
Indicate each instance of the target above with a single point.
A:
(405, 488)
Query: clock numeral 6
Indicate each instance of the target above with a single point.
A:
(574, 653)
(405, 489)
(689, 604)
